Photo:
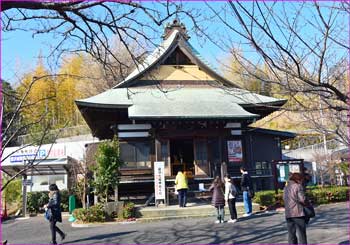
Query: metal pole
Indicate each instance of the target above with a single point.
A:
(24, 199)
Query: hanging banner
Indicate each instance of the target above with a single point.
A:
(159, 180)
(234, 151)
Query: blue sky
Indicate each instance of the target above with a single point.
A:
(20, 50)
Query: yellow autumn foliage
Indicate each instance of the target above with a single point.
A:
(67, 91)
(40, 103)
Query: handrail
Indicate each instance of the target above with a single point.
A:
(331, 144)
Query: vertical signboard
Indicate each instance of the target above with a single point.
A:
(159, 181)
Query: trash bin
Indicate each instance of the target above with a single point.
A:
(71, 206)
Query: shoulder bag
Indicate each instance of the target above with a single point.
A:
(309, 211)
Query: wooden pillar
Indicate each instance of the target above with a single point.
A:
(223, 170)
(158, 150)
(274, 174)
(116, 196)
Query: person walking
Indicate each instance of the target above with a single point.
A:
(294, 202)
(230, 198)
(54, 206)
(247, 189)
(218, 199)
(181, 187)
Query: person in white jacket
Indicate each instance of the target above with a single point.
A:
(230, 198)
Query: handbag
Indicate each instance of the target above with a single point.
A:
(309, 212)
(48, 214)
(251, 193)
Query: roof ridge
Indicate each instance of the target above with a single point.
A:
(150, 59)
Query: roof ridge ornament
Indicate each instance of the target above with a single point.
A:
(175, 25)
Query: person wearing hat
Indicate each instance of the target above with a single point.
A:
(54, 206)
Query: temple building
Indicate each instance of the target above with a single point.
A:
(174, 107)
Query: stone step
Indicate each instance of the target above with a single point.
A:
(192, 210)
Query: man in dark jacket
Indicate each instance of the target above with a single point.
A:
(246, 187)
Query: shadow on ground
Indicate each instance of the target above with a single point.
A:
(208, 232)
(103, 237)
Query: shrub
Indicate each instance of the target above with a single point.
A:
(64, 200)
(328, 194)
(268, 198)
(317, 195)
(13, 192)
(264, 198)
(36, 200)
(129, 210)
(95, 213)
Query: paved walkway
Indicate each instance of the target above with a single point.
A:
(331, 226)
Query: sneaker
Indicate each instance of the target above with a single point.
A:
(232, 221)
(247, 215)
(217, 221)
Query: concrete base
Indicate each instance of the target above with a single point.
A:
(192, 210)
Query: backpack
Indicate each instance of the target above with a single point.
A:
(233, 190)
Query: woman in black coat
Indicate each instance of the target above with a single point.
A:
(218, 200)
(54, 207)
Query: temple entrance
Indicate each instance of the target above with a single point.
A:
(182, 157)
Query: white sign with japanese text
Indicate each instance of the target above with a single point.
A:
(34, 152)
(159, 180)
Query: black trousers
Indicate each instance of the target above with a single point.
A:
(296, 226)
(232, 207)
(55, 229)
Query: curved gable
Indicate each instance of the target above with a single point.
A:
(174, 59)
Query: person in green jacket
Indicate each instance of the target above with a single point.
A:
(181, 187)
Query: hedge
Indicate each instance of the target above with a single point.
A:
(329, 194)
(319, 195)
(97, 213)
(36, 200)
(268, 198)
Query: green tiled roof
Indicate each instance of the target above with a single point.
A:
(182, 102)
(112, 98)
